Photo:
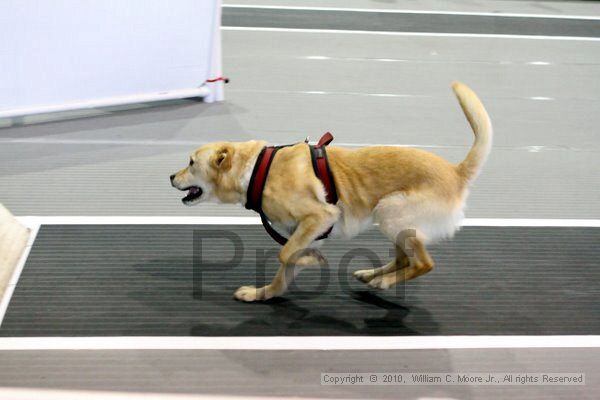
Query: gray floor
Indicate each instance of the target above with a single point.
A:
(543, 97)
(552, 7)
(118, 162)
(414, 22)
(297, 373)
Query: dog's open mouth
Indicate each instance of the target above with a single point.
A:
(194, 193)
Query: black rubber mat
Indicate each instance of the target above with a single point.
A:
(178, 280)
(408, 22)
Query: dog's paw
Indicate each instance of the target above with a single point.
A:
(379, 282)
(251, 293)
(364, 275)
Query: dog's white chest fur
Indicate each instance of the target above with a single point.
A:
(348, 226)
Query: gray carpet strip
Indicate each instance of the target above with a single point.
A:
(179, 280)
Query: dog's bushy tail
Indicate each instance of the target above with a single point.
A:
(482, 128)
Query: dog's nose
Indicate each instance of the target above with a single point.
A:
(172, 177)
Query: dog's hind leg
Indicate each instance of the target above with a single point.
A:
(401, 261)
(420, 263)
(294, 255)
(409, 221)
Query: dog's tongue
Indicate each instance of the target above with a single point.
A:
(193, 190)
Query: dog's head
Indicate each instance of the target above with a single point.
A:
(214, 172)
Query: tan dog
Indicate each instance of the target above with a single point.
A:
(402, 189)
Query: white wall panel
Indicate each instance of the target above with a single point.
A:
(61, 53)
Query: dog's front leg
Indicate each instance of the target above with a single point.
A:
(293, 256)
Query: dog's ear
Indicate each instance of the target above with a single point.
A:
(222, 158)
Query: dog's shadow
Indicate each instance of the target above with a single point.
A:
(286, 318)
(347, 312)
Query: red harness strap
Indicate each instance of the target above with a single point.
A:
(320, 164)
(260, 172)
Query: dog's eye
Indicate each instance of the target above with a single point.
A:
(191, 162)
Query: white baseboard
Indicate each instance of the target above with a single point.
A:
(13, 240)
